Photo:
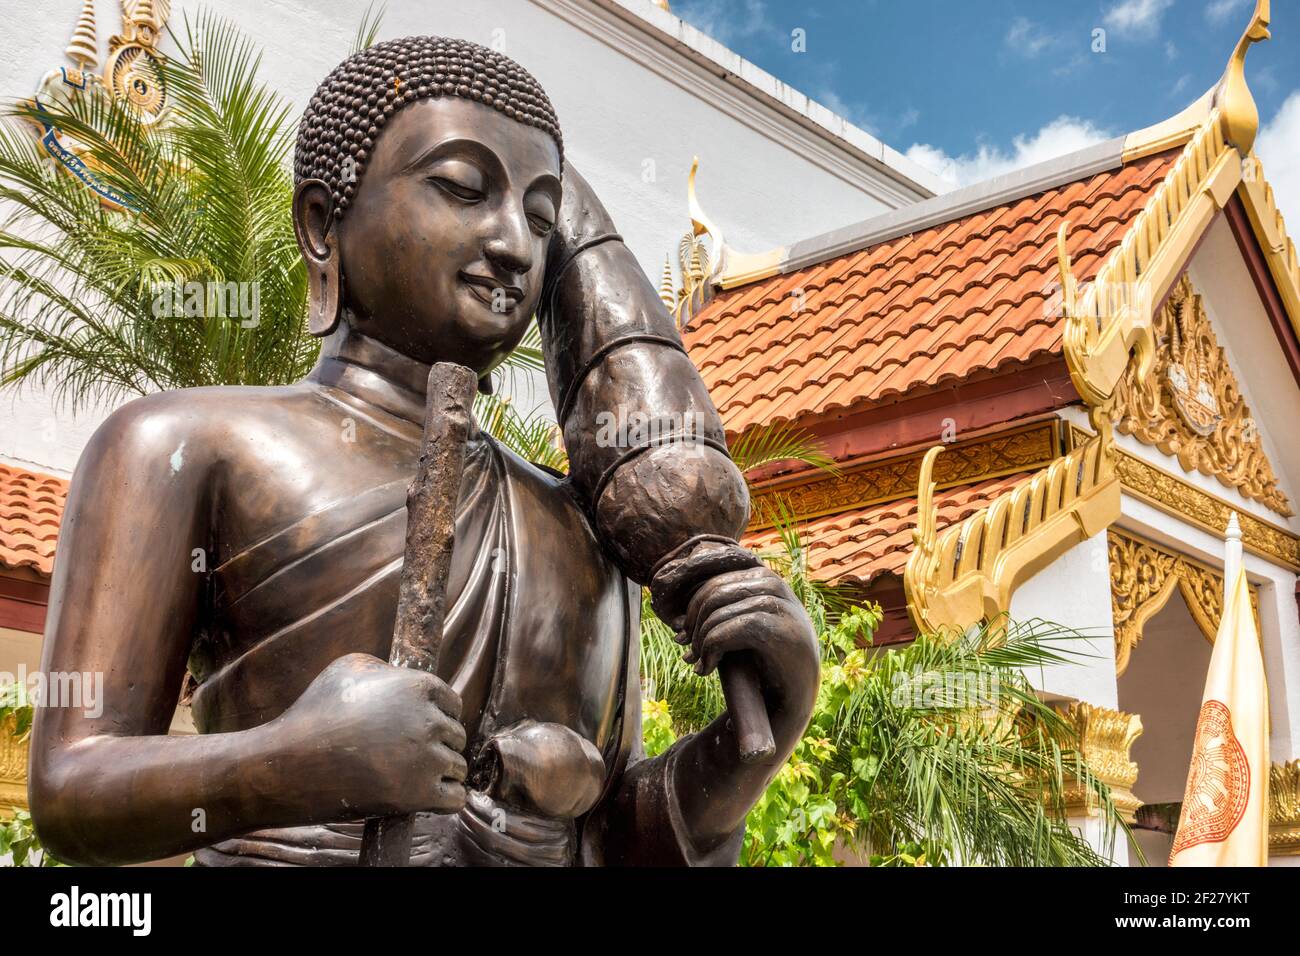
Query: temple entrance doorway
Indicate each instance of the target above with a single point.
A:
(1163, 684)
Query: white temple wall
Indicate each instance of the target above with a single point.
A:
(1074, 591)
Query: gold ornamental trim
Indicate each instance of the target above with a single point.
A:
(1284, 809)
(1111, 318)
(1106, 739)
(1269, 226)
(13, 768)
(1175, 496)
(968, 572)
(1192, 407)
(978, 459)
(1144, 575)
(1230, 94)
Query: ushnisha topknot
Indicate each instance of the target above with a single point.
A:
(351, 106)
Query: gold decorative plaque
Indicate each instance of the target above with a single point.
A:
(1105, 738)
(1192, 407)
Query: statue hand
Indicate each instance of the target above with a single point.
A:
(754, 610)
(379, 739)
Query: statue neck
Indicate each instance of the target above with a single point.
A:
(373, 372)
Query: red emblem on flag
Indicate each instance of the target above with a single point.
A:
(1218, 786)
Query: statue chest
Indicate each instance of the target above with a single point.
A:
(538, 628)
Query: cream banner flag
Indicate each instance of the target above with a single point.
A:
(1224, 820)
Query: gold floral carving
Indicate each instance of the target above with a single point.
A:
(13, 768)
(1142, 578)
(1192, 407)
(1176, 496)
(1005, 453)
(1106, 736)
(1284, 809)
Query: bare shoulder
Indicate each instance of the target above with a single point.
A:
(202, 428)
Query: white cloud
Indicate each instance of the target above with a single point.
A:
(1028, 38)
(1278, 146)
(722, 21)
(1221, 11)
(855, 113)
(1138, 18)
(1065, 134)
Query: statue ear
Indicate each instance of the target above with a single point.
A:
(314, 226)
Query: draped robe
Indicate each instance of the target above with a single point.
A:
(540, 642)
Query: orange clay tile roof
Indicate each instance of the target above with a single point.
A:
(918, 311)
(31, 505)
(855, 547)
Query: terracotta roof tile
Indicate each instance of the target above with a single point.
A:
(916, 311)
(854, 547)
(31, 506)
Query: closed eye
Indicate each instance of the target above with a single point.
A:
(459, 190)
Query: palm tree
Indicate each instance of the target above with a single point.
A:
(86, 292)
(939, 752)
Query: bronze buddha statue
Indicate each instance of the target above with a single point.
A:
(254, 536)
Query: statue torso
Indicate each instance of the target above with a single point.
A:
(308, 533)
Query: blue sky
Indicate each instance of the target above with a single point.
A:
(972, 89)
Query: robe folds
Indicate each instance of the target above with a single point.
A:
(541, 643)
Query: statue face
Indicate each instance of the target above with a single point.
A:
(444, 245)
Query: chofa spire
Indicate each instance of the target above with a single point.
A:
(1232, 96)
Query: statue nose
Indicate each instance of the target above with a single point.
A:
(508, 259)
(510, 249)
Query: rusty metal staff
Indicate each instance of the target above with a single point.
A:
(430, 536)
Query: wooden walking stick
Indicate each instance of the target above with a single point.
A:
(430, 536)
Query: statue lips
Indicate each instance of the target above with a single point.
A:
(489, 291)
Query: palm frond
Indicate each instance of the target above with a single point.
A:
(368, 28)
(766, 444)
(532, 437)
(963, 750)
(208, 200)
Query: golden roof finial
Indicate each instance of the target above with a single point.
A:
(1233, 98)
(84, 48)
(663, 5)
(666, 291)
(701, 224)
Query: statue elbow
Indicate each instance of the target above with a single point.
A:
(51, 797)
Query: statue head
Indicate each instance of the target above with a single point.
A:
(427, 178)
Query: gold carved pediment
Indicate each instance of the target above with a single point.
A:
(1143, 576)
(1284, 809)
(1192, 408)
